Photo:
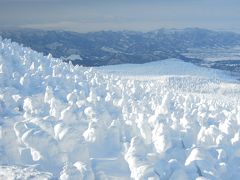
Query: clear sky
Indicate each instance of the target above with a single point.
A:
(140, 15)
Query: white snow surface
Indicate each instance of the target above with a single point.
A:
(73, 57)
(168, 67)
(58, 121)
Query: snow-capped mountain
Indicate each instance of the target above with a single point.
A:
(108, 47)
(71, 122)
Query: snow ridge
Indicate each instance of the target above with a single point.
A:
(70, 122)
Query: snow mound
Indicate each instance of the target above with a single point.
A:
(15, 172)
(66, 122)
(168, 67)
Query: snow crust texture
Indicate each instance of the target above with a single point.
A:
(69, 122)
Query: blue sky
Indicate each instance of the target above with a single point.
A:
(140, 15)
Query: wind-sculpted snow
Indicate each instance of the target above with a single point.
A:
(69, 122)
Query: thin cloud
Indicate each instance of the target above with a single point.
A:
(142, 15)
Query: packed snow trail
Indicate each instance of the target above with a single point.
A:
(66, 122)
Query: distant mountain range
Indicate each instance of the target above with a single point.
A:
(109, 47)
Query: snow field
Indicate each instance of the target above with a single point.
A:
(70, 122)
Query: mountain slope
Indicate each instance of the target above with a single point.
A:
(108, 47)
(70, 122)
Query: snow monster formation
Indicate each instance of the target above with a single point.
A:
(59, 121)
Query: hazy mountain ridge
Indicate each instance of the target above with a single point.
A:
(109, 47)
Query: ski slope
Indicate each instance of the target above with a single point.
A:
(163, 120)
(168, 67)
